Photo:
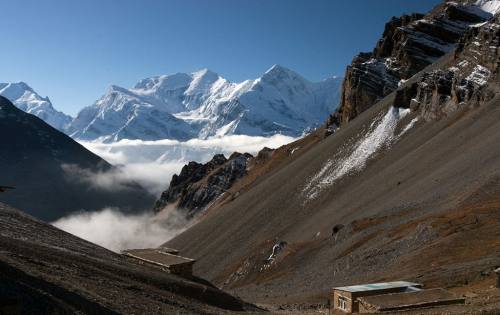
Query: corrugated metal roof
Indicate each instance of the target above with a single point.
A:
(379, 286)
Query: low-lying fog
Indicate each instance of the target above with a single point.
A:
(152, 164)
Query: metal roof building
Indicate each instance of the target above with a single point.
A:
(346, 298)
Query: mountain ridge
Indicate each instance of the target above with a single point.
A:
(26, 99)
(408, 45)
(204, 104)
(47, 167)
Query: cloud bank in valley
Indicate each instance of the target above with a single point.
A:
(151, 164)
(116, 231)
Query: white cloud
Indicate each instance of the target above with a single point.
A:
(116, 231)
(152, 163)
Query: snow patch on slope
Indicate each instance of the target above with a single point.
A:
(479, 75)
(381, 133)
(490, 6)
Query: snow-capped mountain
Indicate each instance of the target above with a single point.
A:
(26, 99)
(203, 104)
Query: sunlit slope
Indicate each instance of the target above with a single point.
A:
(397, 188)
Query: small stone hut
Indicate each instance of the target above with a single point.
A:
(164, 258)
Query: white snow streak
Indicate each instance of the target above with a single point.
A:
(382, 133)
(490, 6)
(479, 75)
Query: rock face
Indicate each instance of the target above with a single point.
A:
(200, 184)
(464, 82)
(33, 159)
(408, 44)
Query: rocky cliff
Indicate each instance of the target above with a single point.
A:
(409, 44)
(464, 80)
(198, 184)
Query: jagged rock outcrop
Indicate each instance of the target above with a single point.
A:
(464, 83)
(198, 184)
(408, 44)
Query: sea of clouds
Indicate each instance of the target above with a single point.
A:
(151, 164)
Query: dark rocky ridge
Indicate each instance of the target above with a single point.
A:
(409, 44)
(32, 155)
(198, 184)
(49, 271)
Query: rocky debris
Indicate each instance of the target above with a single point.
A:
(442, 91)
(264, 155)
(198, 185)
(497, 275)
(277, 248)
(409, 44)
(336, 229)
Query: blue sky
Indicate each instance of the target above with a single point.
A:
(72, 51)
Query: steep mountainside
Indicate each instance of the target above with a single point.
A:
(407, 191)
(26, 99)
(203, 104)
(47, 271)
(46, 168)
(408, 45)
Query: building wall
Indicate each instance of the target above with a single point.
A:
(353, 305)
(366, 309)
(185, 270)
(350, 308)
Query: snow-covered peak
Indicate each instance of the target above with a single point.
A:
(14, 90)
(204, 73)
(26, 99)
(202, 81)
(163, 82)
(278, 72)
(202, 104)
(116, 88)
